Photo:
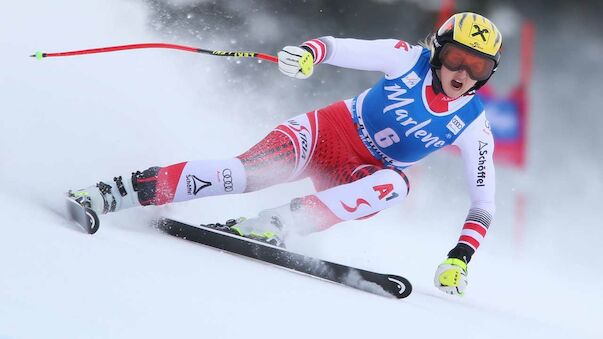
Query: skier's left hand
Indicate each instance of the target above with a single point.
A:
(451, 276)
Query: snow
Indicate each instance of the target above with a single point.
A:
(69, 122)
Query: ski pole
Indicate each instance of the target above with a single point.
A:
(262, 56)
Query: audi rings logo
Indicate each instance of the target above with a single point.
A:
(227, 180)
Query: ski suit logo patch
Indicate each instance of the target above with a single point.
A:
(359, 202)
(194, 185)
(481, 164)
(411, 80)
(227, 180)
(384, 192)
(455, 125)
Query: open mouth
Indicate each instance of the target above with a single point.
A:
(456, 84)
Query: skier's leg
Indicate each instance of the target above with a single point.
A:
(161, 185)
(356, 200)
(352, 184)
(273, 160)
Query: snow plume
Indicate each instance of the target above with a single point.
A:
(353, 278)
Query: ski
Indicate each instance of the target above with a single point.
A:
(382, 284)
(83, 216)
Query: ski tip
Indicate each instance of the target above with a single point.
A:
(85, 217)
(94, 222)
(400, 287)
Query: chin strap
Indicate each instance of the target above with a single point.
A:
(436, 83)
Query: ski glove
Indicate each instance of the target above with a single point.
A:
(451, 276)
(296, 62)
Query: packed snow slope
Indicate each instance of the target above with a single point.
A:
(69, 122)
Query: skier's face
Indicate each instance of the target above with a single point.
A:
(455, 83)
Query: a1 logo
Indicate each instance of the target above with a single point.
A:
(384, 191)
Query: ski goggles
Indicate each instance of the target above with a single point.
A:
(456, 58)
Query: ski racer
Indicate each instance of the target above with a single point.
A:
(355, 151)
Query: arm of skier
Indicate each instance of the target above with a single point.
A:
(477, 147)
(389, 56)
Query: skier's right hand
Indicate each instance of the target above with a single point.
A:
(296, 62)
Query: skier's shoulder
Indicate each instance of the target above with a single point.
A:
(476, 105)
(404, 46)
(477, 125)
(407, 50)
(406, 56)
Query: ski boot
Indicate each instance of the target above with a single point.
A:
(261, 229)
(117, 194)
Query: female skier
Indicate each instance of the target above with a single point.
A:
(354, 150)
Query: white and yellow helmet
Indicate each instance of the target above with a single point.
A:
(473, 32)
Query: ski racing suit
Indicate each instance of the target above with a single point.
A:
(355, 150)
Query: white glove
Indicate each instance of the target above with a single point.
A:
(451, 276)
(295, 62)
